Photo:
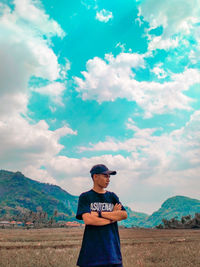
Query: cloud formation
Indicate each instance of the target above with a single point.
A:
(112, 78)
(155, 162)
(26, 144)
(54, 90)
(178, 20)
(178, 146)
(25, 52)
(175, 17)
(32, 13)
(157, 166)
(104, 15)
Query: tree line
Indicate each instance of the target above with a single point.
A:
(186, 222)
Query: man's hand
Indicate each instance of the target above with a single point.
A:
(117, 207)
(94, 213)
(116, 215)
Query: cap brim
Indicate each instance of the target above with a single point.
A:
(110, 172)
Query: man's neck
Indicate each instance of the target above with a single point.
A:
(99, 190)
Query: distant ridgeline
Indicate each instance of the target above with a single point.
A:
(175, 207)
(20, 196)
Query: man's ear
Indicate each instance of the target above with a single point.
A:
(94, 177)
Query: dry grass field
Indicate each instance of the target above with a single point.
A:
(60, 247)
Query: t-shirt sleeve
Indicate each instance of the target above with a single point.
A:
(83, 206)
(116, 200)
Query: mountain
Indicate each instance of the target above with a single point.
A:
(19, 193)
(135, 219)
(177, 206)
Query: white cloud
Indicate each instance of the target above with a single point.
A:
(64, 69)
(73, 174)
(54, 90)
(141, 140)
(178, 19)
(12, 104)
(39, 175)
(122, 47)
(159, 72)
(146, 207)
(178, 147)
(158, 166)
(104, 15)
(62, 166)
(175, 17)
(32, 12)
(112, 78)
(159, 43)
(76, 185)
(89, 4)
(25, 144)
(195, 55)
(25, 51)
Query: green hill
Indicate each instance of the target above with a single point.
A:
(19, 193)
(177, 206)
(135, 219)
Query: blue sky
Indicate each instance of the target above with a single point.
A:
(113, 82)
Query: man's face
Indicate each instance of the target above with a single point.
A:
(102, 180)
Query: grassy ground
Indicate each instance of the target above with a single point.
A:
(60, 247)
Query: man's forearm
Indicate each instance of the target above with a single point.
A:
(117, 215)
(94, 220)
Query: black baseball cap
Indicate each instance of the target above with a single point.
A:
(101, 169)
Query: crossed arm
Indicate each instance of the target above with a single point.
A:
(107, 217)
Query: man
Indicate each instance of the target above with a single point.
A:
(100, 210)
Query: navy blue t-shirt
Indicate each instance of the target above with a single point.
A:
(101, 244)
